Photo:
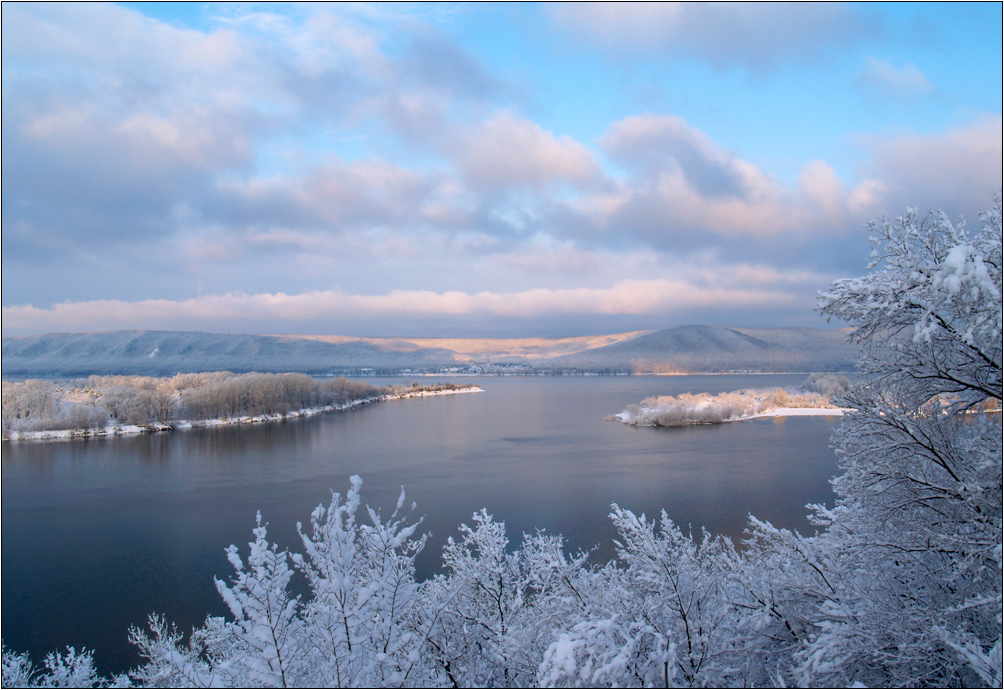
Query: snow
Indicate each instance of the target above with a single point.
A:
(797, 412)
(425, 394)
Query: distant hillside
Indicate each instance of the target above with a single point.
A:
(681, 349)
(716, 349)
(164, 353)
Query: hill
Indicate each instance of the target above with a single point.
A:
(673, 350)
(717, 350)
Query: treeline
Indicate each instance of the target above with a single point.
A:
(100, 401)
(431, 389)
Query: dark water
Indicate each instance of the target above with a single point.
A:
(98, 534)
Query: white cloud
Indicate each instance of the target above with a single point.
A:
(957, 170)
(889, 81)
(752, 34)
(683, 181)
(173, 158)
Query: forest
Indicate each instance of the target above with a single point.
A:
(98, 404)
(100, 401)
(899, 587)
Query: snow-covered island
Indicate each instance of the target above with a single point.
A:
(814, 398)
(100, 406)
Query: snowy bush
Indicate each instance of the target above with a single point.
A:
(828, 385)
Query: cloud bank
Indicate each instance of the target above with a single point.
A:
(362, 167)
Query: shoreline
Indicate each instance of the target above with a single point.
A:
(796, 412)
(775, 412)
(115, 431)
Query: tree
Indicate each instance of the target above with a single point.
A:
(70, 670)
(361, 626)
(495, 610)
(913, 546)
(662, 619)
(358, 628)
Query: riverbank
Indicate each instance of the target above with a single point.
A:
(115, 430)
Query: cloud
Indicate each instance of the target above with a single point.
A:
(102, 137)
(174, 163)
(666, 145)
(888, 81)
(686, 191)
(507, 151)
(660, 297)
(752, 35)
(336, 197)
(439, 64)
(957, 171)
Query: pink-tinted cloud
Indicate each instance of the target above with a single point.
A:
(662, 296)
(507, 151)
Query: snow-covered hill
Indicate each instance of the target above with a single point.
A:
(681, 349)
(717, 349)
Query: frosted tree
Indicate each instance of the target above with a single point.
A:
(265, 625)
(495, 611)
(261, 647)
(71, 669)
(661, 619)
(913, 546)
(170, 663)
(361, 627)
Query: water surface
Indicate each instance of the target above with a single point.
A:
(99, 533)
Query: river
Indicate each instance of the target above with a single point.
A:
(97, 534)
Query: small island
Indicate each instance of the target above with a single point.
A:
(815, 397)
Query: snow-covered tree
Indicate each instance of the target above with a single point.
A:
(71, 669)
(913, 546)
(662, 619)
(361, 626)
(495, 611)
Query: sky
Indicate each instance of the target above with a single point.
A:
(475, 170)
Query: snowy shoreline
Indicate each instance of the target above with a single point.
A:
(625, 416)
(797, 412)
(134, 429)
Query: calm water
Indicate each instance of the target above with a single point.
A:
(98, 534)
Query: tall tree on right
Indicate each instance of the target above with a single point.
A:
(913, 547)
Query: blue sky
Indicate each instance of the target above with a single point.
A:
(496, 170)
